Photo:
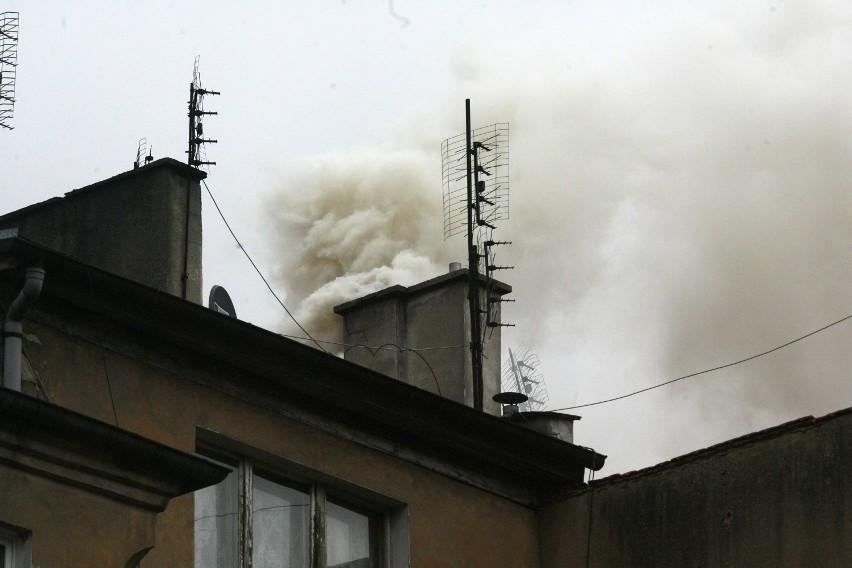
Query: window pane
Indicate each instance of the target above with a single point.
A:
(281, 521)
(347, 538)
(217, 524)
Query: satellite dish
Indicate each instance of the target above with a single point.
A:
(509, 398)
(510, 401)
(221, 302)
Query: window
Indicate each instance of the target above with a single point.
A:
(257, 518)
(15, 546)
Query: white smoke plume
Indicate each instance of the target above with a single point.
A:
(679, 200)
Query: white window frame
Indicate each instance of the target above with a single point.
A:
(391, 516)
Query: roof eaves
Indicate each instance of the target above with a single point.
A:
(282, 365)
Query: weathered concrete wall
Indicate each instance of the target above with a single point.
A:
(451, 524)
(781, 498)
(432, 314)
(132, 224)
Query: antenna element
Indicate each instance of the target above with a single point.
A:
(8, 65)
(195, 153)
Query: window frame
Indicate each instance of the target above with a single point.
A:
(387, 518)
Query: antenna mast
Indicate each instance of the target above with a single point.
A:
(8, 63)
(195, 155)
(476, 205)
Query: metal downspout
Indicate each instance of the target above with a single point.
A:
(13, 328)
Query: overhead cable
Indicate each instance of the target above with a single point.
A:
(259, 273)
(706, 370)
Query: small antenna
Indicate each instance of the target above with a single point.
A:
(141, 150)
(196, 157)
(8, 65)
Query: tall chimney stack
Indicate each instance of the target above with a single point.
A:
(144, 224)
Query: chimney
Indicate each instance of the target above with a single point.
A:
(423, 332)
(144, 224)
(554, 424)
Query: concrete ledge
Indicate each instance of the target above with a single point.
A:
(56, 443)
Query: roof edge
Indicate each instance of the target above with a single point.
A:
(134, 453)
(462, 274)
(195, 173)
(804, 423)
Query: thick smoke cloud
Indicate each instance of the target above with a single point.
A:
(352, 224)
(679, 200)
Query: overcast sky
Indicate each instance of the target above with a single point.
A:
(679, 176)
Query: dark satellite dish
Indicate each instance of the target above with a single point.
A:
(510, 401)
(509, 398)
(221, 302)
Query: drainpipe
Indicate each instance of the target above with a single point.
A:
(13, 329)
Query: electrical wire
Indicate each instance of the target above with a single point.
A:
(38, 380)
(720, 367)
(373, 352)
(317, 342)
(100, 344)
(591, 508)
(259, 273)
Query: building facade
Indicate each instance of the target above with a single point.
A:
(149, 430)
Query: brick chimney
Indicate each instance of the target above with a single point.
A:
(134, 224)
(432, 318)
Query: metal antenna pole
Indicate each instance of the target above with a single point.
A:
(463, 158)
(194, 157)
(190, 153)
(473, 277)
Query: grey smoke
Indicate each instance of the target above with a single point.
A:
(679, 200)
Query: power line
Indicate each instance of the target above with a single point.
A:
(706, 370)
(259, 273)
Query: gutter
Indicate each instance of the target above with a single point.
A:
(13, 328)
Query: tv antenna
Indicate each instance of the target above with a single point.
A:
(144, 155)
(475, 179)
(521, 374)
(8, 65)
(195, 158)
(196, 155)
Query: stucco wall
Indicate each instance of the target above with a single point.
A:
(780, 499)
(77, 527)
(450, 523)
